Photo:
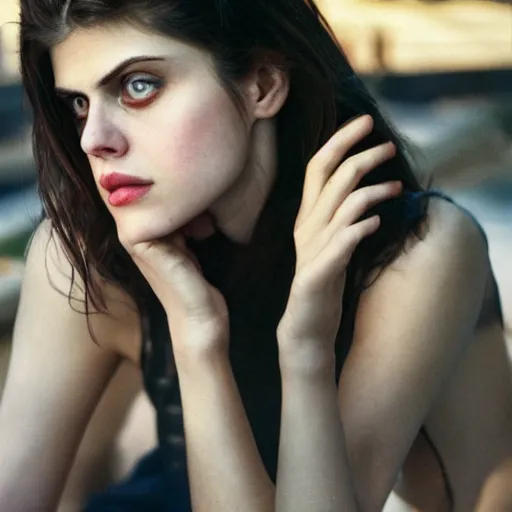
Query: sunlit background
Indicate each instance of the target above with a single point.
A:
(441, 69)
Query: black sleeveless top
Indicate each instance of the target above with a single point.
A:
(254, 314)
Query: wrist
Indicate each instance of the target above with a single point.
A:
(200, 359)
(198, 343)
(306, 359)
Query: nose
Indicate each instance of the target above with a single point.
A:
(101, 137)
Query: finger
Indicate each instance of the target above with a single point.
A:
(337, 254)
(160, 257)
(346, 179)
(173, 269)
(179, 240)
(328, 158)
(361, 201)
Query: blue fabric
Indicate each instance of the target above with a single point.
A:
(150, 487)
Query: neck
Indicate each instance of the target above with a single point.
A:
(239, 209)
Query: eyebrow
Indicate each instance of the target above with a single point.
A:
(111, 75)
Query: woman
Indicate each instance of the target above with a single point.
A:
(230, 210)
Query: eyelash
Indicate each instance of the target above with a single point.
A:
(129, 79)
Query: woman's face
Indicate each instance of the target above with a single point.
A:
(163, 118)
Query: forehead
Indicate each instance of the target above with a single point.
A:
(87, 54)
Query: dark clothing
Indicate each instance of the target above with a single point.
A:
(159, 483)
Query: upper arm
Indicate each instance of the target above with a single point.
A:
(55, 379)
(411, 329)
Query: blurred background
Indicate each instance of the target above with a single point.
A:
(441, 69)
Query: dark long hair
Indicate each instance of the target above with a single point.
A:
(325, 92)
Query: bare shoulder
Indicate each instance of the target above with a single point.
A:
(429, 299)
(49, 276)
(450, 259)
(451, 237)
(412, 327)
(56, 376)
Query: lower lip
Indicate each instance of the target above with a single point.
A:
(126, 195)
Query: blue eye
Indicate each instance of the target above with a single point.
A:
(139, 88)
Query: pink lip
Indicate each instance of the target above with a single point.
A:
(124, 189)
(126, 195)
(115, 180)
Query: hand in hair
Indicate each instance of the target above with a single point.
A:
(327, 231)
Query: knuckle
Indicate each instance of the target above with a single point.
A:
(354, 168)
(359, 199)
(298, 237)
(369, 199)
(363, 195)
(357, 234)
(368, 196)
(379, 192)
(318, 162)
(311, 164)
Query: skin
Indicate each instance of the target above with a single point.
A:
(196, 312)
(425, 348)
(202, 157)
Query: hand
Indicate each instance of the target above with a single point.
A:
(196, 311)
(326, 234)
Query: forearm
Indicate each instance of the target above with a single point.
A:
(313, 470)
(226, 472)
(497, 491)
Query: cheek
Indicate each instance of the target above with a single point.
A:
(203, 134)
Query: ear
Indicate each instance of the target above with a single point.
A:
(266, 90)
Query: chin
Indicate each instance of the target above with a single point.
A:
(139, 228)
(132, 232)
